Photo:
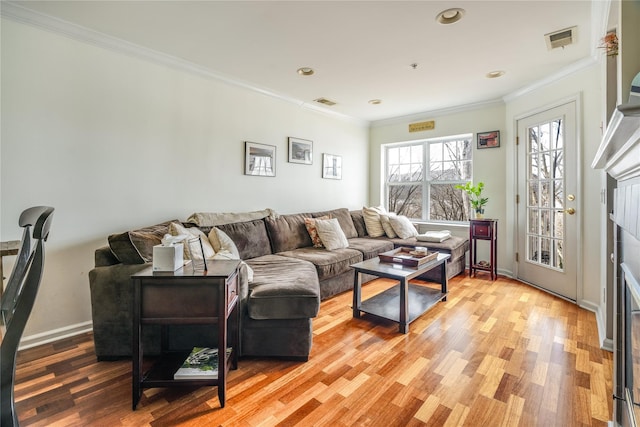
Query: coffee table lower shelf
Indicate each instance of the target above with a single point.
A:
(386, 305)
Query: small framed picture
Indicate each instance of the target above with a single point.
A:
(331, 166)
(300, 151)
(259, 159)
(489, 139)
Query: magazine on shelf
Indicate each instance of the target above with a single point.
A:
(202, 363)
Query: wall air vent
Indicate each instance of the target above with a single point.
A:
(325, 101)
(561, 38)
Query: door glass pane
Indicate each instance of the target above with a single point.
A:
(532, 248)
(533, 221)
(545, 198)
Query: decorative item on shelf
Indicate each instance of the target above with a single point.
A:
(610, 44)
(475, 197)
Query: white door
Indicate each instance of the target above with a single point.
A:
(547, 200)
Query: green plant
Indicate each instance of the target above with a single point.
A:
(475, 194)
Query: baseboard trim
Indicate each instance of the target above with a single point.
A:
(605, 343)
(55, 335)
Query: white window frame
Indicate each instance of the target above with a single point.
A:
(426, 180)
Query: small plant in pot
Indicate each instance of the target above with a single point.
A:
(475, 197)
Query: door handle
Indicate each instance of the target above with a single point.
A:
(570, 211)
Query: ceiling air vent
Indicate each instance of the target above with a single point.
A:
(561, 38)
(325, 101)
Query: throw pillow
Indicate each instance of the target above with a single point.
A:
(386, 225)
(310, 223)
(220, 241)
(227, 249)
(177, 229)
(372, 220)
(331, 234)
(403, 227)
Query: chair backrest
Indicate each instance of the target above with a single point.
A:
(17, 300)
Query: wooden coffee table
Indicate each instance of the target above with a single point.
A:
(404, 302)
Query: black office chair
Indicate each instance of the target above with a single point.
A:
(17, 301)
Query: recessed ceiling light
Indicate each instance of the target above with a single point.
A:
(375, 101)
(450, 16)
(305, 71)
(495, 74)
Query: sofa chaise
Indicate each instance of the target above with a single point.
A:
(290, 278)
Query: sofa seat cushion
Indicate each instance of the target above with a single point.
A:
(370, 248)
(328, 263)
(456, 246)
(283, 288)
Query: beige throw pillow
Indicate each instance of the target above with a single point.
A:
(403, 227)
(372, 220)
(220, 241)
(331, 234)
(386, 225)
(176, 229)
(227, 249)
(310, 223)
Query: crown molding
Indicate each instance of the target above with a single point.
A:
(565, 72)
(18, 13)
(437, 113)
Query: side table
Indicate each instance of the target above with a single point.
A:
(483, 229)
(186, 297)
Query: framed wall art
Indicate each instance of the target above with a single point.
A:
(489, 139)
(300, 151)
(331, 166)
(260, 159)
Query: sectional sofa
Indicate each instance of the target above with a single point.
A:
(289, 279)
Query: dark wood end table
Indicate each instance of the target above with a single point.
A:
(404, 302)
(483, 229)
(186, 297)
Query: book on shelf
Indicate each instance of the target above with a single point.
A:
(202, 363)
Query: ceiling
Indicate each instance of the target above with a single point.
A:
(359, 50)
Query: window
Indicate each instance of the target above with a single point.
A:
(420, 178)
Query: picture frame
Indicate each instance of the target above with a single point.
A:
(331, 166)
(300, 151)
(489, 139)
(259, 159)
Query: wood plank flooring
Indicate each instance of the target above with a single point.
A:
(494, 354)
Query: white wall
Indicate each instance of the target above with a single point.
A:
(488, 163)
(114, 142)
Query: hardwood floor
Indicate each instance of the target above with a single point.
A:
(495, 353)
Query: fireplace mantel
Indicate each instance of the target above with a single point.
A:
(619, 151)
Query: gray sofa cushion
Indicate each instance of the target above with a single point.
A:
(288, 232)
(283, 288)
(344, 219)
(327, 263)
(136, 246)
(370, 248)
(250, 238)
